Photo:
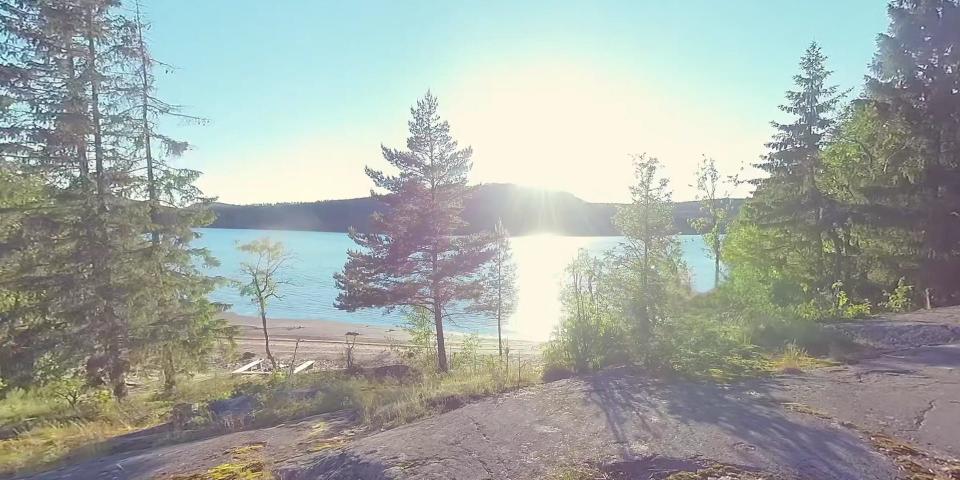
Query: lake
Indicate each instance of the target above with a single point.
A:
(540, 262)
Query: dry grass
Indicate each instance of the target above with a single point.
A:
(247, 463)
(399, 404)
(794, 359)
(45, 431)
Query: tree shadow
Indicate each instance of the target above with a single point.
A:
(342, 465)
(928, 356)
(739, 423)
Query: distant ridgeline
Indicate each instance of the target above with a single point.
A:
(523, 211)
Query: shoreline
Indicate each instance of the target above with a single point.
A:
(314, 329)
(325, 340)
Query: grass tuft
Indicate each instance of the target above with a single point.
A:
(794, 359)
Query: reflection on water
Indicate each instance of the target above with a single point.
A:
(318, 255)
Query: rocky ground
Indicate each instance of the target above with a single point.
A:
(893, 415)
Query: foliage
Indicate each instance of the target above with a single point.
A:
(96, 266)
(468, 356)
(264, 279)
(394, 404)
(634, 305)
(900, 300)
(498, 297)
(869, 201)
(846, 308)
(789, 218)
(48, 430)
(794, 358)
(418, 323)
(913, 86)
(590, 333)
(646, 269)
(700, 346)
(414, 257)
(714, 194)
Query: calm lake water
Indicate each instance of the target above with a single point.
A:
(318, 255)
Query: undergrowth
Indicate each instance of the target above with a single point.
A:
(39, 430)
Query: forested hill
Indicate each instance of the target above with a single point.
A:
(523, 211)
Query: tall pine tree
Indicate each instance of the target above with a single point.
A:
(108, 254)
(916, 85)
(416, 255)
(789, 205)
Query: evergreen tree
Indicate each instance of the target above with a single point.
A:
(182, 325)
(499, 295)
(789, 205)
(49, 258)
(77, 117)
(864, 172)
(915, 86)
(415, 255)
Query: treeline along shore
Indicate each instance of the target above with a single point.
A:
(523, 211)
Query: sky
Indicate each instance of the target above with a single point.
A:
(300, 94)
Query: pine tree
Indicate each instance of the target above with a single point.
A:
(863, 172)
(789, 204)
(79, 112)
(45, 128)
(915, 85)
(181, 326)
(498, 298)
(415, 255)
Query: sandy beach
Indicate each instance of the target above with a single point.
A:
(324, 341)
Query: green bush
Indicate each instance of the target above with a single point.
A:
(901, 299)
(421, 350)
(469, 354)
(700, 346)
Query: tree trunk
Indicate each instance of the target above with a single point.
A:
(716, 269)
(113, 330)
(499, 336)
(145, 119)
(266, 336)
(169, 370)
(441, 348)
(499, 321)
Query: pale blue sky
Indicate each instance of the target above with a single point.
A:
(300, 94)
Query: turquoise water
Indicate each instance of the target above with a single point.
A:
(318, 255)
